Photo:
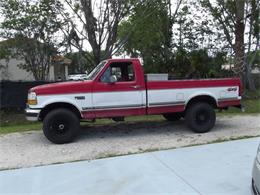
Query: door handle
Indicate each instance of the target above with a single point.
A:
(135, 86)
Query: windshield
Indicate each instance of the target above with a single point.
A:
(96, 70)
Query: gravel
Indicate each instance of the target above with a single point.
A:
(28, 149)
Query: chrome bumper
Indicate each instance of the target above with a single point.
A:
(32, 114)
(256, 179)
(254, 189)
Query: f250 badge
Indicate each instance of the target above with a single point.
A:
(232, 89)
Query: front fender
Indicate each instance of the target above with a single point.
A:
(43, 101)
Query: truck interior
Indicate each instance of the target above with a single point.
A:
(124, 72)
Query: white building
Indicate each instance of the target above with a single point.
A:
(10, 70)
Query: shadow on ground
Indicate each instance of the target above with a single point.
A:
(131, 129)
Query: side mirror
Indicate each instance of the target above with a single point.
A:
(112, 79)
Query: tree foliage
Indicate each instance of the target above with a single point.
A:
(98, 27)
(234, 18)
(149, 34)
(186, 38)
(31, 28)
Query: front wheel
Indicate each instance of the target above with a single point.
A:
(61, 126)
(200, 117)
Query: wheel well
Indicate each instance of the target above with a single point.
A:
(53, 106)
(203, 98)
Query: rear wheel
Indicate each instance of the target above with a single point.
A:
(172, 116)
(200, 117)
(61, 126)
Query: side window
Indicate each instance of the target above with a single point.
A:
(123, 71)
(105, 78)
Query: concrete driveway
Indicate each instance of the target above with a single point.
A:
(33, 149)
(213, 169)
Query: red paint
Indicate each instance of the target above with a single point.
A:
(222, 104)
(181, 84)
(96, 86)
(86, 86)
(121, 86)
(64, 88)
(88, 115)
(165, 109)
(113, 113)
(131, 111)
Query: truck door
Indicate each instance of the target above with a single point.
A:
(118, 91)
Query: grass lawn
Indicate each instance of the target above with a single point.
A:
(19, 128)
(252, 106)
(13, 121)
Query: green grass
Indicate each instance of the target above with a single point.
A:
(20, 128)
(14, 121)
(251, 94)
(252, 106)
(23, 125)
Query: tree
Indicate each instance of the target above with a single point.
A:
(182, 64)
(31, 27)
(239, 30)
(232, 17)
(4, 56)
(149, 34)
(95, 24)
(79, 64)
(198, 63)
(253, 39)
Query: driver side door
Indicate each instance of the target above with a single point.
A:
(123, 97)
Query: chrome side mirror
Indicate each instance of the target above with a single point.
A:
(112, 79)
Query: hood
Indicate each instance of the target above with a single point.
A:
(63, 88)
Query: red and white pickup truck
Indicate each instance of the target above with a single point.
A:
(117, 88)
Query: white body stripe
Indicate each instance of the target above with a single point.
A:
(120, 98)
(45, 100)
(184, 95)
(128, 99)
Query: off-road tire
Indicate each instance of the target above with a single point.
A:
(200, 117)
(61, 126)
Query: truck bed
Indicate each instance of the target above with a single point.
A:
(163, 96)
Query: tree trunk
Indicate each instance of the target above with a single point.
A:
(239, 39)
(249, 62)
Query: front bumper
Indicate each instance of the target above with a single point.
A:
(256, 179)
(32, 114)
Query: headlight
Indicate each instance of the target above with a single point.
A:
(258, 154)
(32, 98)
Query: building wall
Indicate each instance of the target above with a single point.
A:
(10, 71)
